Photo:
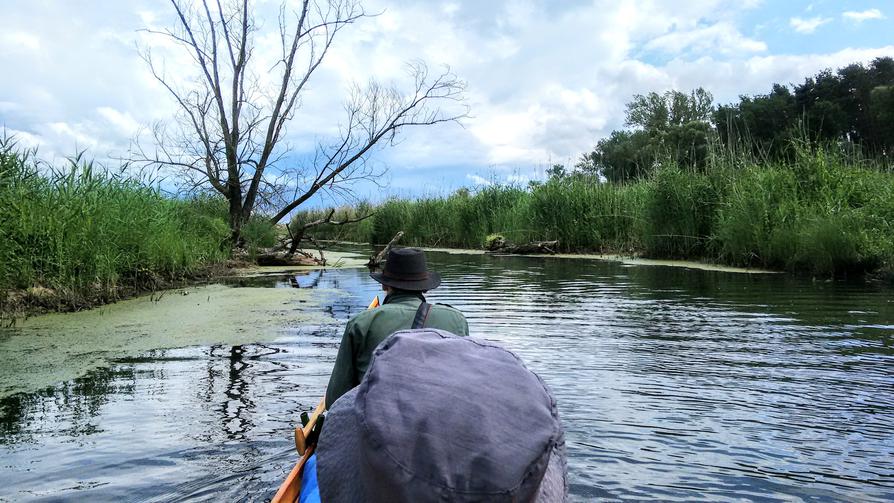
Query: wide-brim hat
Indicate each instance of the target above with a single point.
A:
(406, 269)
(439, 417)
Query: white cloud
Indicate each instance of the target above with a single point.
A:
(860, 16)
(721, 37)
(17, 40)
(76, 133)
(23, 138)
(124, 122)
(808, 25)
(478, 180)
(546, 79)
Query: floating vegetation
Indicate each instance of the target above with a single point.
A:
(44, 350)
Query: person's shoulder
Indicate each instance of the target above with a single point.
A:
(363, 317)
(447, 308)
(366, 316)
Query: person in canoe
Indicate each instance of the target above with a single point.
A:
(439, 417)
(405, 279)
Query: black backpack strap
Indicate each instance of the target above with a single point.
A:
(421, 315)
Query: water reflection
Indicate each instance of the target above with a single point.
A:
(673, 384)
(82, 401)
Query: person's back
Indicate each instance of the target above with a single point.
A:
(405, 278)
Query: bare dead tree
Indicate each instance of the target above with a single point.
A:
(228, 133)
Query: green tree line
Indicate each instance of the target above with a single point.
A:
(851, 109)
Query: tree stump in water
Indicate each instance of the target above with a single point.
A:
(378, 259)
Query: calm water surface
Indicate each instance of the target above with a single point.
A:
(673, 384)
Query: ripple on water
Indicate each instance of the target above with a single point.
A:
(672, 385)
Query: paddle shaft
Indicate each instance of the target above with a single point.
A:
(290, 489)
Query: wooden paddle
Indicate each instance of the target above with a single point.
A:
(291, 488)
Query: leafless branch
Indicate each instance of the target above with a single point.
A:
(227, 134)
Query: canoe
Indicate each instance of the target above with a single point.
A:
(305, 442)
(290, 489)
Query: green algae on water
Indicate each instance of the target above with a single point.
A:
(45, 350)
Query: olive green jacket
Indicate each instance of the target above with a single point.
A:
(366, 330)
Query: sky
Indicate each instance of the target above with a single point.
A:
(545, 79)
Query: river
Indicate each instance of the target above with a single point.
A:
(673, 384)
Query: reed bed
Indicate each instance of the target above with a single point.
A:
(823, 212)
(87, 232)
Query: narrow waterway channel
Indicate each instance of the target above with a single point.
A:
(673, 384)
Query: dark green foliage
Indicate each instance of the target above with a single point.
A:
(686, 145)
(258, 232)
(556, 171)
(658, 112)
(763, 123)
(882, 105)
(852, 105)
(671, 127)
(623, 156)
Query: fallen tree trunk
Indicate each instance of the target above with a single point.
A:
(547, 247)
(295, 240)
(285, 259)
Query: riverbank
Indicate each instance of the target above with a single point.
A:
(822, 214)
(78, 235)
(624, 259)
(21, 304)
(226, 306)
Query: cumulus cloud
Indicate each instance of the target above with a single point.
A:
(860, 16)
(720, 37)
(122, 121)
(478, 180)
(546, 80)
(19, 40)
(728, 79)
(809, 25)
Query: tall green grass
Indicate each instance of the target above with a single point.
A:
(83, 229)
(824, 212)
